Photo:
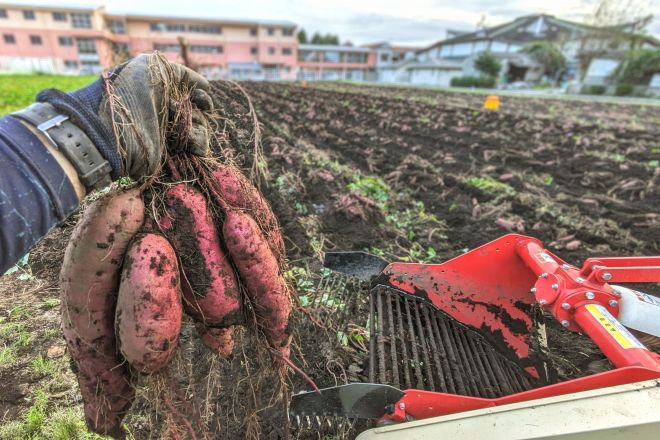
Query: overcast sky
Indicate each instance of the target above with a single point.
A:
(407, 22)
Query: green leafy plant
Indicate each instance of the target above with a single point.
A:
(488, 65)
(548, 55)
(639, 66)
(594, 90)
(490, 186)
(370, 186)
(623, 89)
(486, 82)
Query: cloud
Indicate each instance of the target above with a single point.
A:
(366, 27)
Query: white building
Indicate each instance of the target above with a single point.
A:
(455, 56)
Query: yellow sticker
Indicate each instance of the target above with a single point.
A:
(614, 327)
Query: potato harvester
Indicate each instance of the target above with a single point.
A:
(460, 346)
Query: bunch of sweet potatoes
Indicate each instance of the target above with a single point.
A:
(209, 248)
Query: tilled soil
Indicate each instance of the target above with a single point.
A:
(412, 175)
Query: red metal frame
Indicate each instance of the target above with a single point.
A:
(419, 404)
(486, 289)
(490, 289)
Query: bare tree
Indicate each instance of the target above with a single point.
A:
(621, 12)
(615, 29)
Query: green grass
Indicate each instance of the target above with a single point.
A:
(44, 422)
(18, 91)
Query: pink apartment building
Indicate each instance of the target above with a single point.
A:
(330, 62)
(73, 39)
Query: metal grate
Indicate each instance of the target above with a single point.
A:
(339, 300)
(414, 345)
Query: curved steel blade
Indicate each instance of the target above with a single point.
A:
(361, 265)
(356, 400)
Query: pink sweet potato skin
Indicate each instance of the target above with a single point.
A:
(239, 193)
(89, 282)
(210, 288)
(218, 340)
(259, 270)
(149, 311)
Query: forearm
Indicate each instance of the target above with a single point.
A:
(38, 189)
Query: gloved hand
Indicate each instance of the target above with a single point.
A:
(128, 113)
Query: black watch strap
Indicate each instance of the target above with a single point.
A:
(93, 170)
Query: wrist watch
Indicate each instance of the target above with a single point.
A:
(92, 168)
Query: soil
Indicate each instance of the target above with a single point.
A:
(411, 175)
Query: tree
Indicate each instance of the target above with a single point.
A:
(487, 64)
(619, 12)
(331, 39)
(639, 66)
(302, 36)
(615, 25)
(548, 55)
(324, 39)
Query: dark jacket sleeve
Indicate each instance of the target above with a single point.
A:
(35, 193)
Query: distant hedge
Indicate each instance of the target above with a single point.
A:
(473, 81)
(594, 90)
(623, 89)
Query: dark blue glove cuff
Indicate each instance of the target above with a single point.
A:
(82, 108)
(35, 193)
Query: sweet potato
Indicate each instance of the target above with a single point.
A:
(209, 286)
(218, 340)
(239, 193)
(259, 270)
(148, 316)
(89, 282)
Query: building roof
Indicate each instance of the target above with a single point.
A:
(401, 49)
(334, 47)
(543, 27)
(56, 6)
(50, 6)
(185, 18)
(434, 63)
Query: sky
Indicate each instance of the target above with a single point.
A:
(404, 22)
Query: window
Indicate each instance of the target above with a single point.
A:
(356, 58)
(204, 29)
(83, 21)
(28, 15)
(35, 40)
(308, 55)
(156, 27)
(271, 31)
(199, 48)
(286, 51)
(3, 13)
(118, 27)
(331, 57)
(71, 64)
(65, 41)
(384, 57)
(174, 27)
(86, 45)
(254, 50)
(90, 67)
(271, 51)
(59, 16)
(253, 32)
(288, 32)
(167, 47)
(9, 39)
(121, 48)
